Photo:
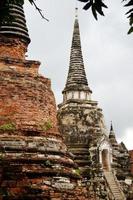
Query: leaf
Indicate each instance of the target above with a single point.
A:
(130, 30)
(131, 10)
(131, 20)
(130, 3)
(94, 12)
(103, 5)
(87, 6)
(100, 12)
(99, 9)
(83, 0)
(130, 15)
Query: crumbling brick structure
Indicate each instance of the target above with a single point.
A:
(34, 161)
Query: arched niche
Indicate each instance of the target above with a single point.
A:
(105, 155)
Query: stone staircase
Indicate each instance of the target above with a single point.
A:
(114, 186)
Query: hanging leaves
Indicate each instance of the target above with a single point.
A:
(129, 14)
(95, 5)
(87, 6)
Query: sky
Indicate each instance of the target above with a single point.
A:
(107, 53)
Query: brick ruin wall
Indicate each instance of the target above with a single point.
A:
(26, 99)
(12, 48)
(34, 162)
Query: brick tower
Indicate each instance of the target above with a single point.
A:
(34, 162)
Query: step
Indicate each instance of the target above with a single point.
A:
(114, 186)
(118, 196)
(115, 189)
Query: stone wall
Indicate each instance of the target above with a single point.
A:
(81, 123)
(82, 127)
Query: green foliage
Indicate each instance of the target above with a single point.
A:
(47, 125)
(130, 30)
(130, 14)
(48, 163)
(78, 171)
(7, 127)
(96, 7)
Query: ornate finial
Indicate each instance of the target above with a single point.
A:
(76, 12)
(111, 127)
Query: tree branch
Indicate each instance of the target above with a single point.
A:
(39, 10)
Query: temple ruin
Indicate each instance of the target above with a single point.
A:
(39, 161)
(103, 163)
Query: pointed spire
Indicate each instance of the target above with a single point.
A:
(112, 136)
(15, 28)
(112, 130)
(76, 79)
(111, 127)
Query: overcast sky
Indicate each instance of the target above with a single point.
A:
(107, 52)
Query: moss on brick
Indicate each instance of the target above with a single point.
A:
(7, 127)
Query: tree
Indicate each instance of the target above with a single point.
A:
(96, 7)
